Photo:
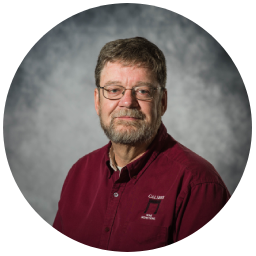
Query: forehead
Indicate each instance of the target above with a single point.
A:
(126, 74)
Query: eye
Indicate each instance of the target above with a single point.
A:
(143, 91)
(113, 89)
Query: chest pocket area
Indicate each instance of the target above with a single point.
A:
(147, 234)
(139, 237)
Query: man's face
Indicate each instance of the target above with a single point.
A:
(128, 120)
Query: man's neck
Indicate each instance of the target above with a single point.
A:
(125, 154)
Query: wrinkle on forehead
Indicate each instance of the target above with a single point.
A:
(133, 65)
(139, 83)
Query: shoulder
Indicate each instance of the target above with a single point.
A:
(87, 166)
(191, 167)
(94, 157)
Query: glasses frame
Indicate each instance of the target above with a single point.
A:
(133, 91)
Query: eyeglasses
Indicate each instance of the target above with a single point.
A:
(142, 92)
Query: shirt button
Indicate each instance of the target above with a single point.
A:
(135, 176)
(107, 229)
(116, 194)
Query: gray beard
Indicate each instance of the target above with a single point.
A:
(134, 132)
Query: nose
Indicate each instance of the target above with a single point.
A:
(128, 100)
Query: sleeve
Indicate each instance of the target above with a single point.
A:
(197, 207)
(57, 237)
(57, 231)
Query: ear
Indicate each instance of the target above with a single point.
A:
(164, 102)
(97, 100)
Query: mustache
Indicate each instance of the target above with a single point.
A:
(135, 113)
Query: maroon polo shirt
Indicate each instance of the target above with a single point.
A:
(160, 198)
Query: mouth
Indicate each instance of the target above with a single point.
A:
(128, 118)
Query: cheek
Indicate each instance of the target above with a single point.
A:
(150, 111)
(107, 108)
(155, 112)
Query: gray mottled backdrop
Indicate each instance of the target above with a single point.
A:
(50, 121)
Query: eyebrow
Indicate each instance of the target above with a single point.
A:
(137, 84)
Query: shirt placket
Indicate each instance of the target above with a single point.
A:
(113, 203)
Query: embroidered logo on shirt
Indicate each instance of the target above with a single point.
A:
(148, 217)
(155, 197)
(152, 206)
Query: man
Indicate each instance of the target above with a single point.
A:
(143, 190)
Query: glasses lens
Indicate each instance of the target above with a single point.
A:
(113, 91)
(143, 92)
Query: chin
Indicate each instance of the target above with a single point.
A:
(126, 124)
(125, 128)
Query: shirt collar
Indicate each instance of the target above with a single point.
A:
(140, 164)
(112, 160)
